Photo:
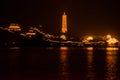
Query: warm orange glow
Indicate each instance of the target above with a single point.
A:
(63, 37)
(64, 63)
(108, 36)
(30, 33)
(14, 27)
(91, 74)
(111, 48)
(89, 38)
(89, 48)
(111, 40)
(64, 23)
(90, 54)
(111, 59)
(63, 48)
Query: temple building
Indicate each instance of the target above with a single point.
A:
(14, 27)
(30, 33)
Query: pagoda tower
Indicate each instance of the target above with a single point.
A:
(64, 26)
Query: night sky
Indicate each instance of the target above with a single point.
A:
(97, 17)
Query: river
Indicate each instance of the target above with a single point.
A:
(59, 63)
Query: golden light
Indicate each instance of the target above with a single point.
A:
(112, 48)
(64, 23)
(63, 37)
(63, 48)
(89, 38)
(30, 33)
(111, 61)
(89, 48)
(111, 40)
(14, 27)
(108, 36)
(63, 63)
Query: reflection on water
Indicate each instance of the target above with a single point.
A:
(14, 48)
(60, 63)
(112, 48)
(64, 63)
(89, 49)
(13, 60)
(111, 63)
(91, 74)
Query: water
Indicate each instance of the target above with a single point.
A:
(59, 63)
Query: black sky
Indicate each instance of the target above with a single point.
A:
(84, 16)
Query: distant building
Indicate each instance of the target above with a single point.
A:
(64, 23)
(64, 26)
(14, 27)
(30, 33)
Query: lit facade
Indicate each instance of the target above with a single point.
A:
(64, 23)
(14, 27)
(30, 33)
(64, 26)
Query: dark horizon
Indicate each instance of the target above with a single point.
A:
(84, 17)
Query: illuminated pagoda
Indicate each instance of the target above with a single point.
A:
(64, 26)
(14, 27)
